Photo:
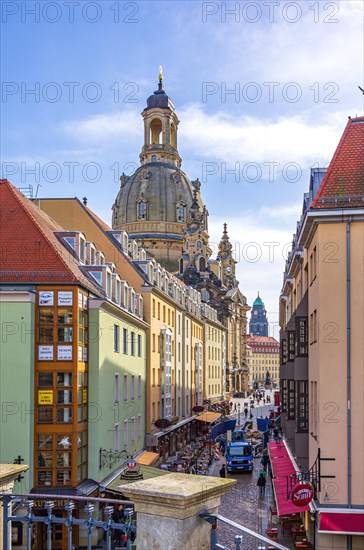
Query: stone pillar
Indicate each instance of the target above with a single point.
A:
(168, 506)
(8, 475)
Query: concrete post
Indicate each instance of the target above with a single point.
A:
(167, 508)
(8, 475)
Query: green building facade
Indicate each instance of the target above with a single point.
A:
(117, 389)
(16, 380)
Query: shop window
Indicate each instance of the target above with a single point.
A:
(64, 415)
(45, 459)
(45, 316)
(64, 378)
(64, 460)
(45, 379)
(45, 334)
(65, 316)
(63, 477)
(44, 478)
(45, 441)
(45, 415)
(64, 397)
(65, 334)
(64, 441)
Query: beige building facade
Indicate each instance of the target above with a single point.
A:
(322, 353)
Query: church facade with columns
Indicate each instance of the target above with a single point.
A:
(160, 207)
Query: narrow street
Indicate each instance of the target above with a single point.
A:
(242, 503)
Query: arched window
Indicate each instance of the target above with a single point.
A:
(154, 158)
(142, 210)
(155, 131)
(181, 213)
(181, 266)
(202, 264)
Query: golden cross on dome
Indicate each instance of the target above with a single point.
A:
(160, 72)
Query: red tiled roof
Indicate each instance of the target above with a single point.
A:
(30, 251)
(343, 184)
(261, 339)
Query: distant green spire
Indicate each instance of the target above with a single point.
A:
(258, 301)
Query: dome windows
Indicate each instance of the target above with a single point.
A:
(142, 210)
(181, 212)
(154, 158)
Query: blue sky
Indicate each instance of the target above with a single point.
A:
(262, 89)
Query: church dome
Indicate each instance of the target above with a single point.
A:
(163, 190)
(152, 205)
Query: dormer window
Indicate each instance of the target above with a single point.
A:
(142, 210)
(181, 213)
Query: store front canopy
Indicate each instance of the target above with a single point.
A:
(208, 417)
(148, 458)
(342, 523)
(282, 466)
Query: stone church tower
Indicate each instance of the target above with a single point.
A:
(152, 204)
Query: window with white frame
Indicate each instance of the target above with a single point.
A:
(139, 345)
(116, 338)
(116, 388)
(132, 429)
(139, 386)
(125, 387)
(125, 434)
(132, 391)
(116, 437)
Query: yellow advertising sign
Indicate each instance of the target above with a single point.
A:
(45, 397)
(84, 396)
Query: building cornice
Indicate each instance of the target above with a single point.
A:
(314, 217)
(110, 307)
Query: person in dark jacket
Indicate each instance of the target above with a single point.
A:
(261, 484)
(223, 470)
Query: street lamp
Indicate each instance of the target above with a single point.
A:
(238, 407)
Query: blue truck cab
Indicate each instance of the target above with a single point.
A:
(239, 453)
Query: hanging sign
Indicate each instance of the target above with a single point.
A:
(302, 494)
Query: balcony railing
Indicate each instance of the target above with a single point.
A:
(108, 526)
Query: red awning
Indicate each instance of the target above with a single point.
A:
(282, 466)
(285, 507)
(342, 523)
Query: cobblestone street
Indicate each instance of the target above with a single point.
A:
(242, 504)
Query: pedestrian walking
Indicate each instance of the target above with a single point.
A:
(264, 460)
(246, 412)
(223, 471)
(261, 484)
(118, 517)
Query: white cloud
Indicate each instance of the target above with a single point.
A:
(260, 250)
(229, 138)
(124, 126)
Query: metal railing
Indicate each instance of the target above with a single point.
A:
(238, 539)
(27, 501)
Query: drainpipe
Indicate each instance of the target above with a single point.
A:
(348, 324)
